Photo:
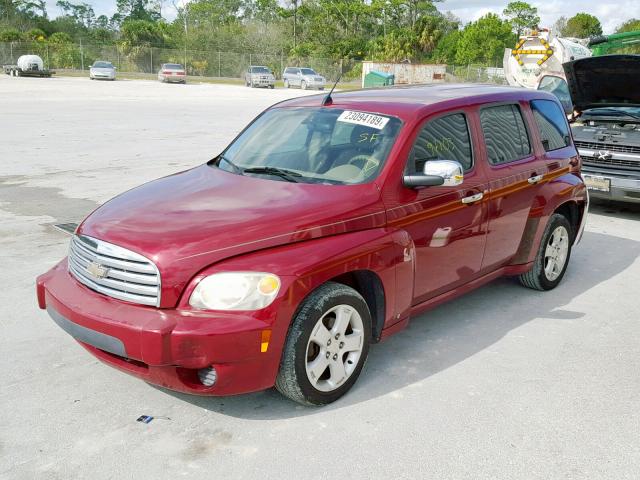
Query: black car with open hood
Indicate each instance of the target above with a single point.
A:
(605, 92)
(607, 81)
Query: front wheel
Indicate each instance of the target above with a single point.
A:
(303, 85)
(553, 255)
(326, 347)
(286, 84)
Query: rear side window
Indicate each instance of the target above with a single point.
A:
(504, 134)
(552, 124)
(445, 138)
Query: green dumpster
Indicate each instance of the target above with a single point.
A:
(378, 79)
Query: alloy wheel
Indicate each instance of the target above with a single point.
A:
(334, 348)
(555, 254)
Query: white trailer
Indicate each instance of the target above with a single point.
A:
(28, 66)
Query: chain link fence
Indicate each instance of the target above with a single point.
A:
(213, 64)
(144, 59)
(476, 73)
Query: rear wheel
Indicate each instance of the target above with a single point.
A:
(326, 347)
(553, 255)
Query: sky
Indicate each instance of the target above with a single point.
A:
(610, 12)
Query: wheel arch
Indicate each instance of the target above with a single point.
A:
(368, 284)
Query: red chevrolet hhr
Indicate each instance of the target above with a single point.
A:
(322, 228)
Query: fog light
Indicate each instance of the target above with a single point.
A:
(208, 376)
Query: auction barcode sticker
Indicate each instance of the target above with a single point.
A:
(361, 118)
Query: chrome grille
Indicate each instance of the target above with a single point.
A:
(612, 147)
(114, 271)
(613, 162)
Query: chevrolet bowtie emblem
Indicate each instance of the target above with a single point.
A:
(96, 270)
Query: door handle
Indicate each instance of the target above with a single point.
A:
(473, 198)
(535, 179)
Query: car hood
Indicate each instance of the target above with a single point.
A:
(102, 69)
(606, 81)
(193, 219)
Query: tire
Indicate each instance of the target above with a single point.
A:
(553, 255)
(303, 85)
(337, 364)
(271, 87)
(286, 84)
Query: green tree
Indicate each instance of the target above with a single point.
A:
(583, 25)
(137, 10)
(631, 25)
(521, 15)
(484, 41)
(10, 35)
(60, 38)
(81, 12)
(445, 51)
(560, 27)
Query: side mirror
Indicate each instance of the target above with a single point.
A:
(446, 173)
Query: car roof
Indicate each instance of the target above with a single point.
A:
(408, 101)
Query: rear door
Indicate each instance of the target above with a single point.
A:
(514, 171)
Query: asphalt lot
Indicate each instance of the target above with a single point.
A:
(504, 383)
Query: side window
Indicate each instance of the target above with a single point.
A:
(505, 135)
(552, 124)
(445, 138)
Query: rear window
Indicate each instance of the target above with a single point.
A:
(173, 66)
(445, 138)
(552, 124)
(505, 135)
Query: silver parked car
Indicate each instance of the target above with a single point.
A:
(302, 77)
(172, 73)
(101, 69)
(259, 76)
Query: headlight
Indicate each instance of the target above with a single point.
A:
(235, 291)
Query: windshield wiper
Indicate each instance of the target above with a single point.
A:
(279, 172)
(235, 167)
(611, 111)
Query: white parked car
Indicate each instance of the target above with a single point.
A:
(103, 70)
(303, 78)
(172, 73)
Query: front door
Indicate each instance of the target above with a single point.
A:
(447, 224)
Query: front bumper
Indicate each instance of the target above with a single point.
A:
(624, 186)
(258, 82)
(167, 347)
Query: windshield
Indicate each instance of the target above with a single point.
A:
(103, 65)
(307, 71)
(558, 87)
(260, 70)
(313, 145)
(173, 66)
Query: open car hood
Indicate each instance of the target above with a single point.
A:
(606, 81)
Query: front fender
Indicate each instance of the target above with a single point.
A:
(304, 266)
